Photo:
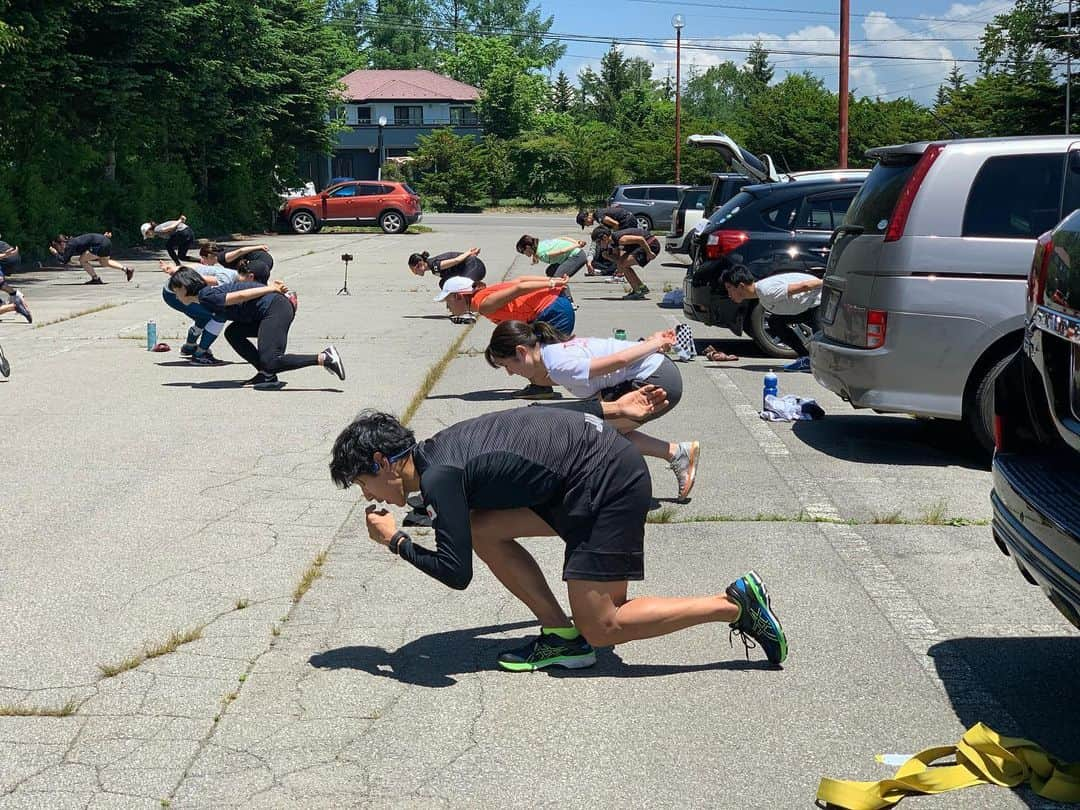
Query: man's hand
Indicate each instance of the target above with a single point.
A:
(474, 251)
(167, 268)
(277, 285)
(639, 405)
(664, 339)
(581, 243)
(264, 247)
(380, 525)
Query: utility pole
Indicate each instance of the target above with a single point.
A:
(845, 39)
(677, 22)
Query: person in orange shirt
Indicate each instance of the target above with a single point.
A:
(526, 298)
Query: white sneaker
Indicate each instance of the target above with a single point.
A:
(684, 465)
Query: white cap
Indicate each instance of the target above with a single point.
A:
(455, 284)
(145, 228)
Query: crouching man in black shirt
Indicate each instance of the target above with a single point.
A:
(538, 472)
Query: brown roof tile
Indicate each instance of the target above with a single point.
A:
(413, 85)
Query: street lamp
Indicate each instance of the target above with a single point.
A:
(382, 123)
(677, 22)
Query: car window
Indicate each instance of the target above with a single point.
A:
(782, 215)
(731, 208)
(873, 206)
(368, 190)
(694, 199)
(386, 189)
(409, 189)
(823, 212)
(344, 191)
(1015, 196)
(666, 193)
(634, 193)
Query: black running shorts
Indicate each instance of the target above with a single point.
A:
(609, 544)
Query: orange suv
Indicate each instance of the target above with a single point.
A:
(391, 206)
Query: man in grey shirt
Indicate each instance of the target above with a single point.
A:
(789, 298)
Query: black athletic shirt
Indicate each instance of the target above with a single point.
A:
(213, 298)
(618, 235)
(624, 218)
(253, 256)
(80, 244)
(521, 457)
(460, 269)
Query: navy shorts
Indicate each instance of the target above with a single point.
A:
(559, 315)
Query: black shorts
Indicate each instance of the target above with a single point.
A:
(608, 543)
(667, 376)
(641, 257)
(102, 250)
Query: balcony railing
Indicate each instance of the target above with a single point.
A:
(426, 123)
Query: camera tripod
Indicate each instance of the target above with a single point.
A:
(345, 287)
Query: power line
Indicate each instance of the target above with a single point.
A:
(776, 10)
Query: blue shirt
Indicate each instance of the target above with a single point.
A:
(253, 311)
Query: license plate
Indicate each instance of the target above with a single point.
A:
(830, 302)
(1075, 384)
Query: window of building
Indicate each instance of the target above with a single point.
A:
(409, 116)
(1015, 196)
(463, 117)
(398, 151)
(363, 116)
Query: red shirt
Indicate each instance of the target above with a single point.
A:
(523, 308)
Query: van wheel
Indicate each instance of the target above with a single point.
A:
(979, 408)
(644, 222)
(758, 327)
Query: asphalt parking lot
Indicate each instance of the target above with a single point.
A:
(149, 500)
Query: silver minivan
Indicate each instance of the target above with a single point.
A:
(923, 302)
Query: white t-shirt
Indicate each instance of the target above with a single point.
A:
(165, 228)
(568, 364)
(773, 294)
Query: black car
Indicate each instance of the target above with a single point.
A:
(770, 228)
(1036, 497)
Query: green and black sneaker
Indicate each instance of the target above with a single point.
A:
(550, 649)
(757, 622)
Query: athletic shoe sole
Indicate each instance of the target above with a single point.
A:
(762, 595)
(565, 661)
(5, 366)
(335, 367)
(22, 308)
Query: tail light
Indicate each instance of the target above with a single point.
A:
(899, 218)
(721, 243)
(680, 221)
(876, 321)
(1040, 268)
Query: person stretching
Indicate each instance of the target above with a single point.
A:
(252, 259)
(9, 259)
(790, 299)
(526, 298)
(563, 256)
(450, 264)
(87, 247)
(629, 246)
(603, 368)
(178, 235)
(614, 216)
(539, 472)
(256, 311)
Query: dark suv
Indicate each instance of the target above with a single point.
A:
(1036, 495)
(770, 228)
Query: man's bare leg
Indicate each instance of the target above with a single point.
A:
(84, 260)
(494, 532)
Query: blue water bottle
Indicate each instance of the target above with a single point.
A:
(772, 387)
(151, 335)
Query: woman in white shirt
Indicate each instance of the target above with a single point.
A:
(604, 368)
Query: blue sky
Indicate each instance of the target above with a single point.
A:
(942, 32)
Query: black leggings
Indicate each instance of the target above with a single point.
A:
(272, 333)
(567, 267)
(780, 325)
(179, 243)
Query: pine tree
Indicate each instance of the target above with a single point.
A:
(562, 94)
(757, 65)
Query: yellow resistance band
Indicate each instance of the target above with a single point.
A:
(983, 757)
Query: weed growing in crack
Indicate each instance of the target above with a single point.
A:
(171, 644)
(74, 315)
(665, 515)
(243, 678)
(275, 630)
(434, 374)
(242, 603)
(313, 572)
(66, 710)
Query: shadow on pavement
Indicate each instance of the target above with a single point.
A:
(427, 317)
(492, 395)
(434, 659)
(1033, 679)
(883, 439)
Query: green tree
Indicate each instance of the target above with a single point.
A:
(476, 58)
(562, 94)
(497, 161)
(522, 23)
(758, 66)
(510, 101)
(389, 34)
(450, 167)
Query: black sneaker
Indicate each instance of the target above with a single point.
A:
(5, 366)
(332, 362)
(269, 382)
(129, 272)
(532, 391)
(21, 307)
(259, 378)
(636, 295)
(549, 650)
(188, 349)
(94, 280)
(756, 620)
(204, 358)
(417, 517)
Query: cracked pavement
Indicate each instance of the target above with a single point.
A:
(147, 497)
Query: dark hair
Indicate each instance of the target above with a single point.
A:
(59, 239)
(188, 280)
(209, 249)
(508, 335)
(583, 216)
(416, 258)
(599, 232)
(355, 447)
(737, 275)
(526, 242)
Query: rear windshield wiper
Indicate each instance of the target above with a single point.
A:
(846, 228)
